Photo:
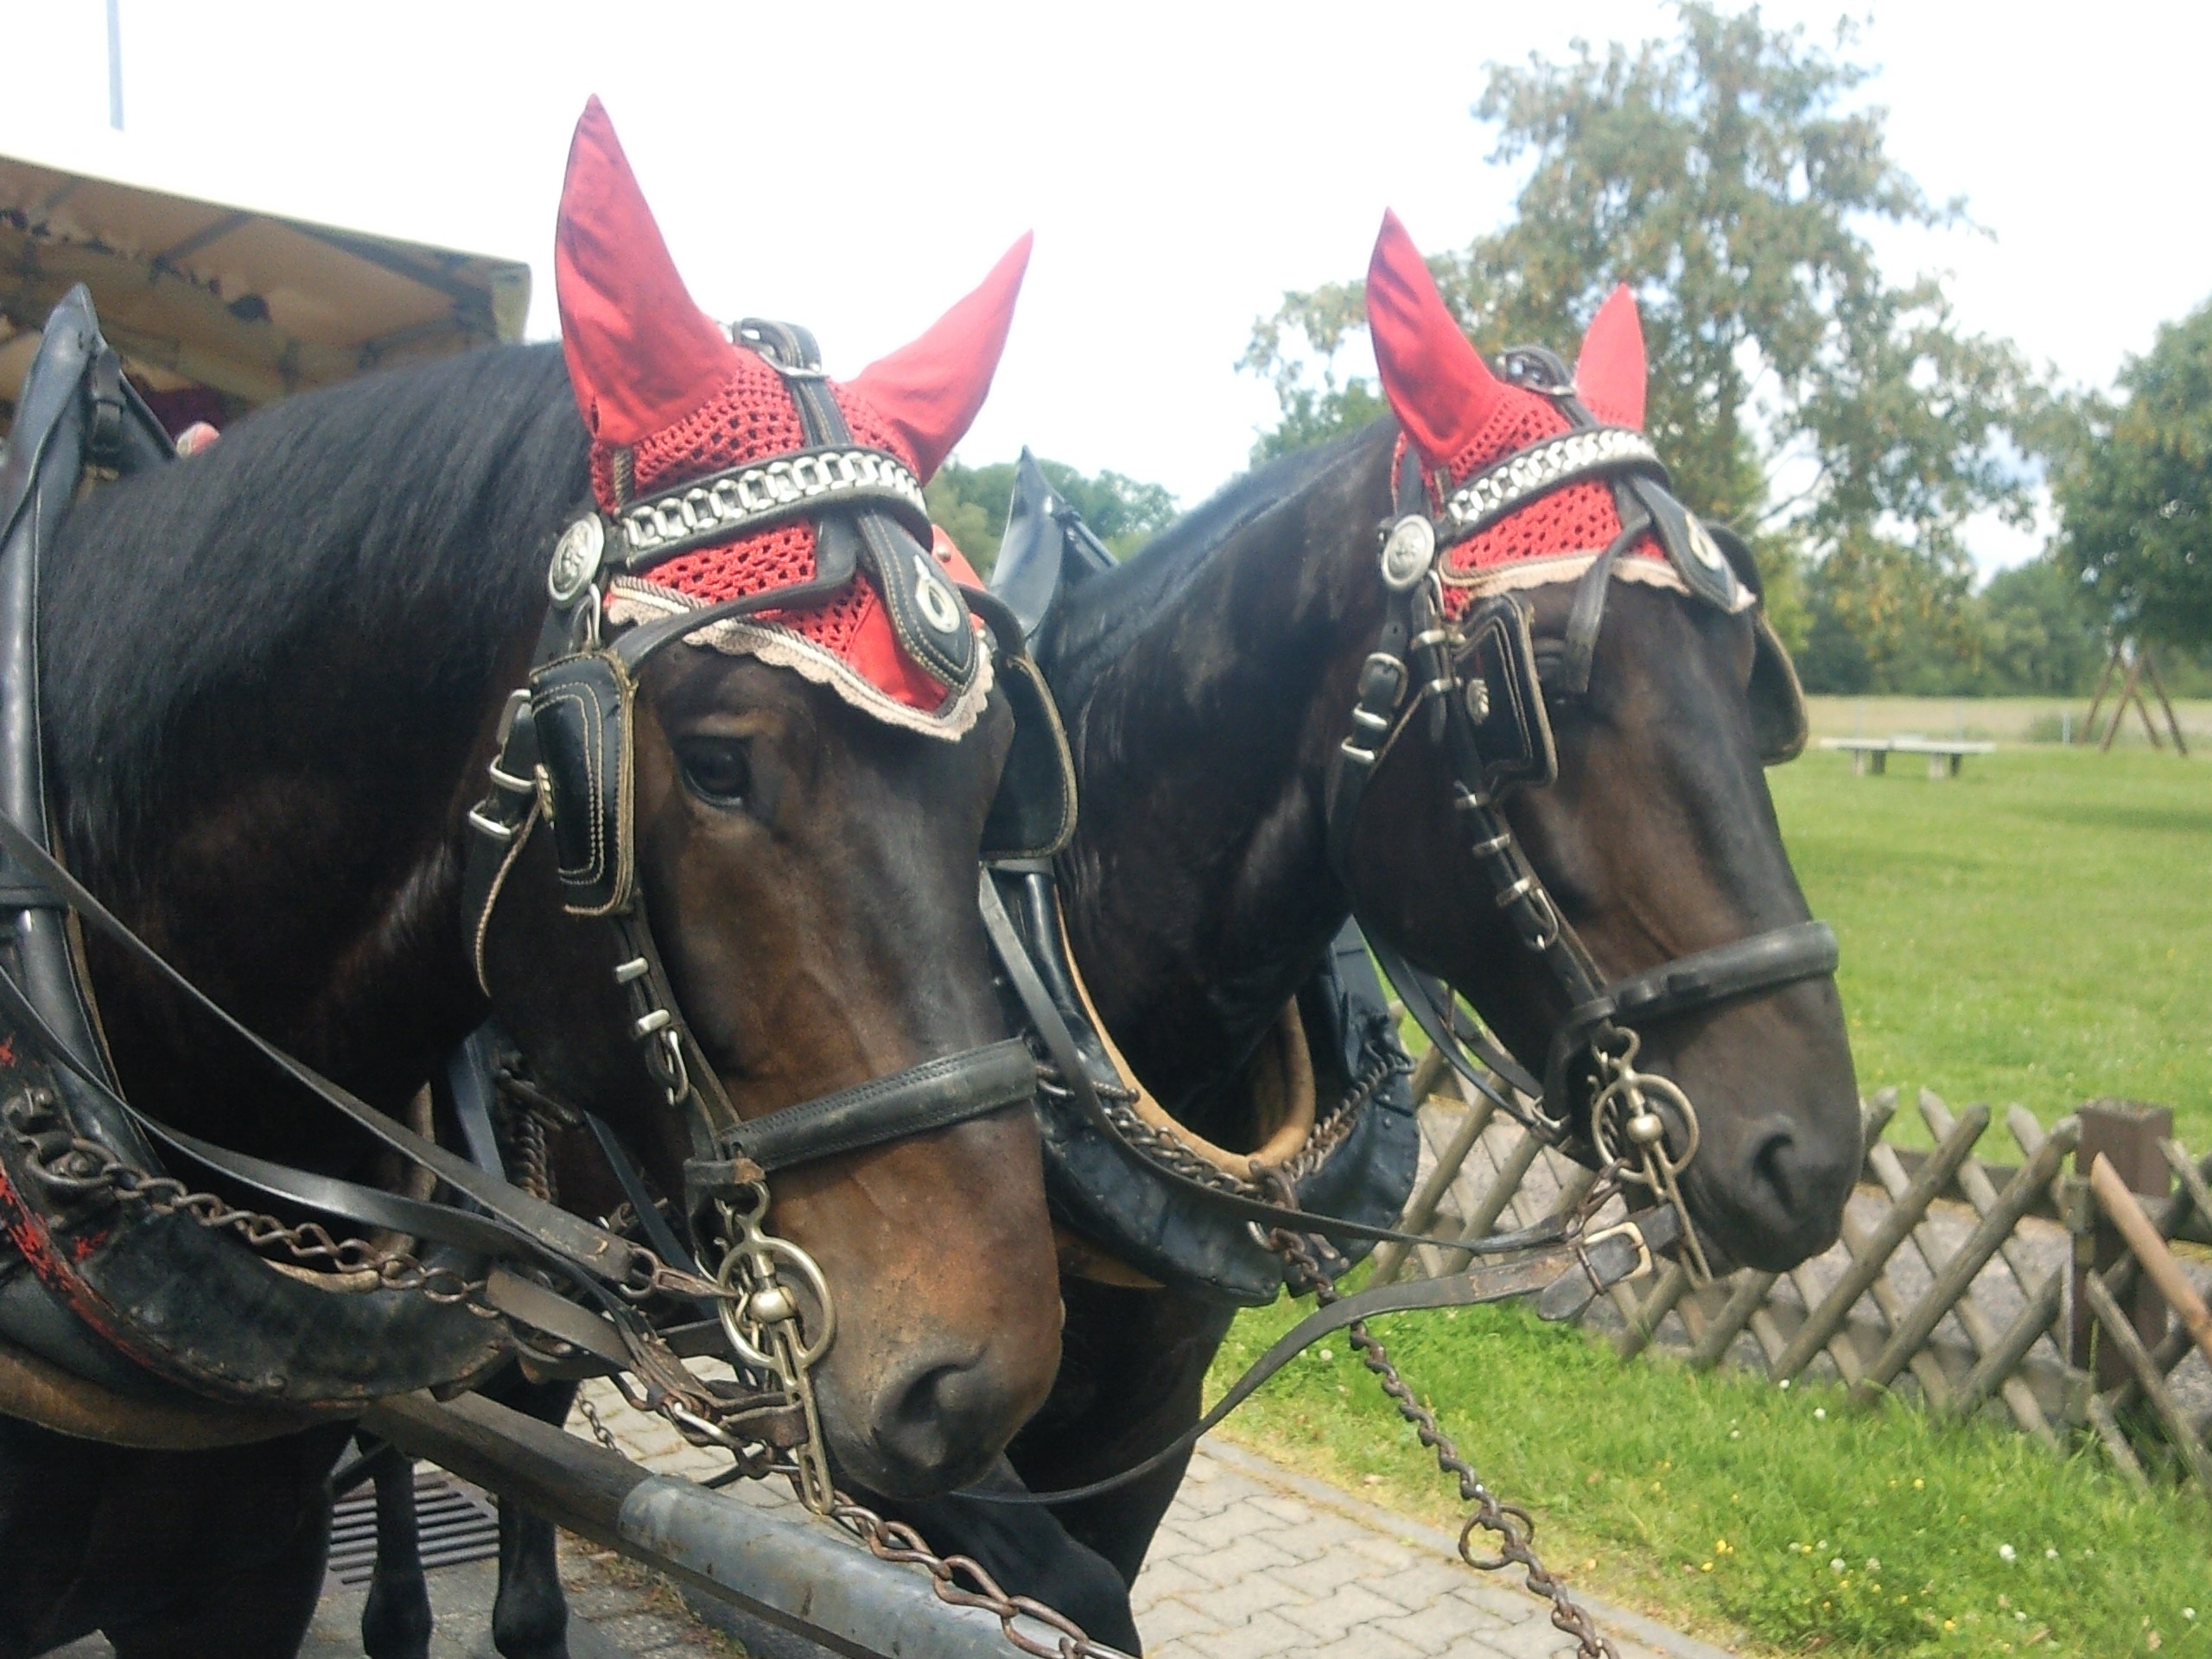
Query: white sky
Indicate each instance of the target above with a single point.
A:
(857, 167)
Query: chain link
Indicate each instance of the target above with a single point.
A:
(1330, 1133)
(1514, 1528)
(84, 1168)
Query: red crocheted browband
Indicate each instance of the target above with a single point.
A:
(1460, 417)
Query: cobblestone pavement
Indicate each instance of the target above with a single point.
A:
(616, 1610)
(1255, 1562)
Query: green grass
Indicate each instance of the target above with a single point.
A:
(1722, 1505)
(2038, 930)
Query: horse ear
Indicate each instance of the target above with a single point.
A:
(930, 390)
(1610, 371)
(1438, 384)
(641, 355)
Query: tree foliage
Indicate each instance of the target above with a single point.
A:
(970, 504)
(1729, 175)
(2135, 496)
(2032, 630)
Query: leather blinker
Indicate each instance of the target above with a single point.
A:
(925, 609)
(1496, 669)
(1779, 725)
(580, 709)
(1033, 815)
(1778, 720)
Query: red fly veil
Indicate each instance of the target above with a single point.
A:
(1460, 419)
(668, 398)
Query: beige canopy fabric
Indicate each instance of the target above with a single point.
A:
(245, 304)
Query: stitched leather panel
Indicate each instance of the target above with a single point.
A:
(579, 710)
(1513, 733)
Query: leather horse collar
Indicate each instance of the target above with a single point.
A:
(1478, 687)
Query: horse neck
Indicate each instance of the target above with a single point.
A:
(270, 786)
(1205, 687)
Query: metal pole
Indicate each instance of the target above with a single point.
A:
(800, 1576)
(115, 64)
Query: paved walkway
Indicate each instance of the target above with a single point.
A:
(1255, 1562)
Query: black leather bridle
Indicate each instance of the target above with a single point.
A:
(1477, 690)
(565, 762)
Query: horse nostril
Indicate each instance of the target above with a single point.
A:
(1799, 1184)
(940, 1425)
(1771, 1165)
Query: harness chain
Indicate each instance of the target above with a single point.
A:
(1514, 1527)
(1165, 1148)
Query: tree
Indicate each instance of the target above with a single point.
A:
(1728, 175)
(2135, 497)
(969, 503)
(2040, 633)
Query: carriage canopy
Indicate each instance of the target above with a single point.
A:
(217, 309)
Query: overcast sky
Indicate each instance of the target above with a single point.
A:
(858, 167)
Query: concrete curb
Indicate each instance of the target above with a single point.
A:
(1658, 1637)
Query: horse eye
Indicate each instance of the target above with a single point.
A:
(715, 769)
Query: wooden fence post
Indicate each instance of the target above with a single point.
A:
(2126, 1133)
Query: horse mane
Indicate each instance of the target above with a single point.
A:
(360, 556)
(1099, 617)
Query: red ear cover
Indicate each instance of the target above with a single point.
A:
(930, 391)
(641, 355)
(1438, 384)
(1609, 371)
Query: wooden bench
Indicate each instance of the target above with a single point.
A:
(1945, 755)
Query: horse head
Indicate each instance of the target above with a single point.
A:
(803, 791)
(1623, 647)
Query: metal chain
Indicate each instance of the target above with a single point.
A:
(1514, 1527)
(80, 1167)
(83, 1167)
(600, 1431)
(1327, 1135)
(957, 1580)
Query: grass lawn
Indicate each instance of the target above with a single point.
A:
(1730, 1507)
(2038, 930)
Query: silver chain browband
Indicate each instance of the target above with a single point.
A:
(1504, 489)
(761, 494)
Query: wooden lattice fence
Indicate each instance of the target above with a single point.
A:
(2048, 1291)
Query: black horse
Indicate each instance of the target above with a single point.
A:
(272, 675)
(1206, 686)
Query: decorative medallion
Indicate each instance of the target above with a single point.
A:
(936, 600)
(576, 560)
(1408, 552)
(1705, 551)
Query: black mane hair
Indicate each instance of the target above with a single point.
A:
(344, 568)
(1099, 617)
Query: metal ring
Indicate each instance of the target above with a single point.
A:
(732, 1314)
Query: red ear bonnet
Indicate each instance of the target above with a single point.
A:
(1438, 385)
(1610, 373)
(641, 355)
(930, 391)
(668, 399)
(1461, 419)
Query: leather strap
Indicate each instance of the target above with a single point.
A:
(1569, 1277)
(599, 1254)
(933, 1094)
